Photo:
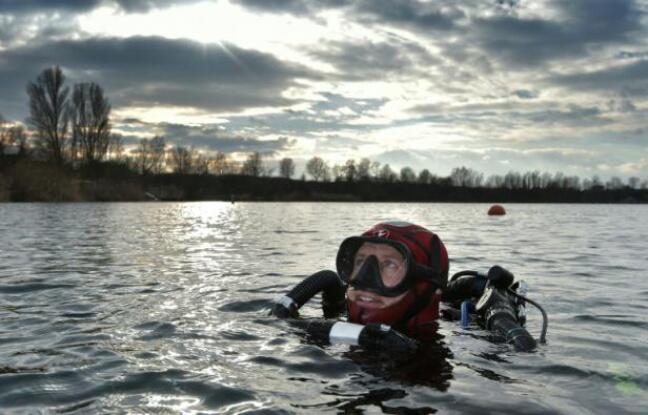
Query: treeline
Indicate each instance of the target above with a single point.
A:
(67, 151)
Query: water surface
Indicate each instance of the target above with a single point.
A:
(162, 307)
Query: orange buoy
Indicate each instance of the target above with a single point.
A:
(496, 210)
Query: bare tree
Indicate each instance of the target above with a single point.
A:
(286, 167)
(425, 177)
(350, 170)
(182, 160)
(364, 169)
(4, 135)
(466, 177)
(90, 122)
(318, 169)
(116, 147)
(49, 113)
(150, 155)
(407, 175)
(221, 164)
(374, 169)
(253, 166)
(387, 174)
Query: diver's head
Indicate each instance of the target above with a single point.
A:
(392, 270)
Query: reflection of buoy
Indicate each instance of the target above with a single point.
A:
(496, 210)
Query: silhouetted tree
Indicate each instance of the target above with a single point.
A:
(182, 160)
(90, 122)
(614, 183)
(425, 177)
(633, 182)
(4, 136)
(253, 166)
(387, 174)
(150, 155)
(336, 172)
(49, 112)
(116, 147)
(407, 175)
(466, 177)
(317, 169)
(350, 171)
(221, 164)
(364, 169)
(286, 167)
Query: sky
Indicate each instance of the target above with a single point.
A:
(493, 85)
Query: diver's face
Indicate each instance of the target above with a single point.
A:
(392, 270)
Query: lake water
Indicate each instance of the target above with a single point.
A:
(163, 308)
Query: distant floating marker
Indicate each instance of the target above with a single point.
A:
(496, 210)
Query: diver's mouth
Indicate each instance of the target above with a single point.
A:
(368, 301)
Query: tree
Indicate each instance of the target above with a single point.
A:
(150, 155)
(374, 169)
(364, 169)
(286, 167)
(221, 164)
(49, 112)
(90, 122)
(182, 160)
(466, 177)
(350, 170)
(614, 183)
(425, 177)
(116, 147)
(317, 168)
(387, 174)
(253, 166)
(4, 136)
(407, 175)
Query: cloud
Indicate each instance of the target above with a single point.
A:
(30, 6)
(630, 79)
(208, 138)
(362, 60)
(426, 16)
(525, 94)
(80, 6)
(294, 7)
(532, 41)
(158, 71)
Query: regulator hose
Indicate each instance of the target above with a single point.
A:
(371, 337)
(327, 282)
(380, 337)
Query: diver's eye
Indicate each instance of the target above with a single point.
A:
(358, 261)
(390, 265)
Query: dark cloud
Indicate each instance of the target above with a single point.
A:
(532, 41)
(405, 13)
(525, 94)
(426, 16)
(630, 79)
(158, 71)
(79, 6)
(375, 60)
(210, 138)
(30, 6)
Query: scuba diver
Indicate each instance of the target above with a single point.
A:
(391, 281)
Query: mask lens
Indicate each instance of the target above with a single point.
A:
(390, 263)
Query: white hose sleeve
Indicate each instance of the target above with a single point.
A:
(345, 333)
